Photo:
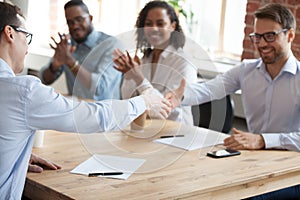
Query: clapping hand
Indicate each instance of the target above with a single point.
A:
(130, 67)
(63, 51)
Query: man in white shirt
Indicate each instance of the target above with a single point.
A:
(270, 89)
(28, 105)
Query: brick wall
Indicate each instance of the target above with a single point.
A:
(252, 5)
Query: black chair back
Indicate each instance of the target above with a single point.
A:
(216, 115)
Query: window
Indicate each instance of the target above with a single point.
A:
(217, 26)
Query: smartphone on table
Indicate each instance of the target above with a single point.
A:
(223, 153)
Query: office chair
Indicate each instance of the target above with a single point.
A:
(216, 115)
(33, 72)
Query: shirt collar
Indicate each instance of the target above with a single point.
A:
(5, 69)
(291, 65)
(91, 40)
(167, 51)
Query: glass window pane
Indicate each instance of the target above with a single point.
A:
(206, 23)
(234, 26)
(204, 30)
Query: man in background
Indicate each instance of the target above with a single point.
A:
(85, 56)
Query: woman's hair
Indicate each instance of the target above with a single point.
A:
(177, 36)
(277, 13)
(9, 15)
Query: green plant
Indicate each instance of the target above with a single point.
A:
(179, 7)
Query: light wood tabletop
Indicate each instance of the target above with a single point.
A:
(168, 173)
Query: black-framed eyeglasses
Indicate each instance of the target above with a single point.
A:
(268, 37)
(78, 19)
(22, 30)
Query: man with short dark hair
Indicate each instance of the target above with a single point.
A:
(85, 56)
(27, 105)
(270, 89)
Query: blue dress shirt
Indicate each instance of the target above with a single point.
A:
(272, 107)
(27, 106)
(95, 55)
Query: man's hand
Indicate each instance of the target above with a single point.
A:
(175, 97)
(243, 140)
(157, 105)
(36, 164)
(63, 51)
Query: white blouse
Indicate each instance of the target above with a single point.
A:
(172, 67)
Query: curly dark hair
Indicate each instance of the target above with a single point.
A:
(177, 37)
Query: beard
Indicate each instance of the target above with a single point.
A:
(84, 38)
(272, 57)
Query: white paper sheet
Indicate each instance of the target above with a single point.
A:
(105, 163)
(195, 139)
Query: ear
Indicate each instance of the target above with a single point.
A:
(91, 18)
(291, 35)
(8, 35)
(173, 25)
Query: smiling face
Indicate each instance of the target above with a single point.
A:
(79, 23)
(158, 28)
(272, 52)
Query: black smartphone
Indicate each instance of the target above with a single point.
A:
(223, 153)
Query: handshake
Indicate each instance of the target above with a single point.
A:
(160, 107)
(157, 106)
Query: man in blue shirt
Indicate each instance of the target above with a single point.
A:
(270, 89)
(27, 105)
(85, 56)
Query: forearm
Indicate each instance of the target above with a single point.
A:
(83, 75)
(50, 74)
(196, 93)
(73, 116)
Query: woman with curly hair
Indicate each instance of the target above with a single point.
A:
(163, 65)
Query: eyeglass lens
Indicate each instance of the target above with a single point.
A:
(78, 19)
(268, 37)
(27, 34)
(29, 38)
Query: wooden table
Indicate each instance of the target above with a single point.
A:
(168, 173)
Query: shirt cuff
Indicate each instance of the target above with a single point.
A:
(144, 86)
(271, 140)
(189, 97)
(138, 106)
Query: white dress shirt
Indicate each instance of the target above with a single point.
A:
(272, 107)
(27, 106)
